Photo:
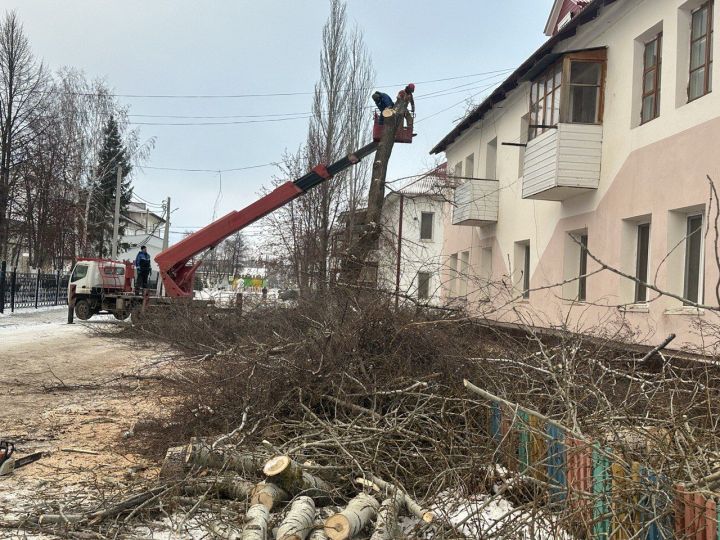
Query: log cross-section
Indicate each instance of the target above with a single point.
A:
(358, 514)
(268, 494)
(290, 475)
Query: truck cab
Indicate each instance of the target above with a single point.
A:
(102, 286)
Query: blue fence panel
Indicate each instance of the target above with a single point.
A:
(656, 512)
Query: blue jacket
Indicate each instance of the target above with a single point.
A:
(142, 261)
(384, 102)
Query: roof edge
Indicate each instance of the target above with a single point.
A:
(509, 84)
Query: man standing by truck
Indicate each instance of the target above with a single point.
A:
(142, 268)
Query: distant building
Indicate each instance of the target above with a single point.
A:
(420, 207)
(143, 227)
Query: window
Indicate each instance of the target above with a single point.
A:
(582, 282)
(652, 60)
(470, 165)
(701, 35)
(423, 285)
(545, 101)
(526, 271)
(80, 272)
(642, 259)
(457, 170)
(584, 91)
(463, 273)
(693, 259)
(491, 160)
(426, 225)
(453, 268)
(569, 91)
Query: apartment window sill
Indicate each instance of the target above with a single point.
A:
(685, 310)
(636, 308)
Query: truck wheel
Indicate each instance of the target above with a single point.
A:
(82, 310)
(121, 315)
(137, 315)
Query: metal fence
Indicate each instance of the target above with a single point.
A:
(31, 289)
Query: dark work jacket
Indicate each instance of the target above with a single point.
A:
(142, 262)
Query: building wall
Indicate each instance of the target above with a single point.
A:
(417, 255)
(658, 169)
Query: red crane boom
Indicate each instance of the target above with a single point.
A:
(176, 267)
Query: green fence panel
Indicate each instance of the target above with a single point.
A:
(523, 441)
(601, 492)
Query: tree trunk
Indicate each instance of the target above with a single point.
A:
(299, 520)
(290, 475)
(256, 523)
(389, 489)
(226, 487)
(203, 455)
(386, 525)
(350, 522)
(268, 494)
(372, 228)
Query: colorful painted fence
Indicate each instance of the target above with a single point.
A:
(606, 498)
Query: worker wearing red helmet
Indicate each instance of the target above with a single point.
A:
(407, 95)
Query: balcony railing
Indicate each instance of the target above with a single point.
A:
(476, 202)
(563, 162)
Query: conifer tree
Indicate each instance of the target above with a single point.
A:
(102, 191)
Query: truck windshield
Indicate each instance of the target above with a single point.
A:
(80, 272)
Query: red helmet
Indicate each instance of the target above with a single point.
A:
(410, 87)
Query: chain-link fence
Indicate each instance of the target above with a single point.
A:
(31, 289)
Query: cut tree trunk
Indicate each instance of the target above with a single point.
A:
(298, 522)
(256, 523)
(318, 533)
(268, 494)
(226, 487)
(290, 475)
(357, 515)
(203, 455)
(371, 228)
(386, 524)
(380, 485)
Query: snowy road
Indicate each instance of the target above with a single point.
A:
(68, 386)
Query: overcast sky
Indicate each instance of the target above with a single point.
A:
(221, 47)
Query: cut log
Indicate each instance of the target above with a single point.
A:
(175, 462)
(386, 524)
(268, 494)
(226, 487)
(203, 455)
(298, 522)
(358, 514)
(256, 523)
(318, 534)
(380, 485)
(290, 475)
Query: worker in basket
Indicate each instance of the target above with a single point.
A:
(142, 267)
(406, 94)
(383, 101)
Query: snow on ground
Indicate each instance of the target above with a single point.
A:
(492, 516)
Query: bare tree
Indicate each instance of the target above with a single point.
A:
(22, 84)
(338, 126)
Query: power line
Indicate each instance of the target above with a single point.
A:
(269, 94)
(214, 171)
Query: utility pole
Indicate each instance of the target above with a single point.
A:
(116, 222)
(166, 239)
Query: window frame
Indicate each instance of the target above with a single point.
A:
(699, 293)
(432, 225)
(708, 36)
(598, 56)
(641, 288)
(427, 277)
(526, 271)
(582, 281)
(657, 68)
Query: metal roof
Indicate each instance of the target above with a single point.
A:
(520, 74)
(431, 183)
